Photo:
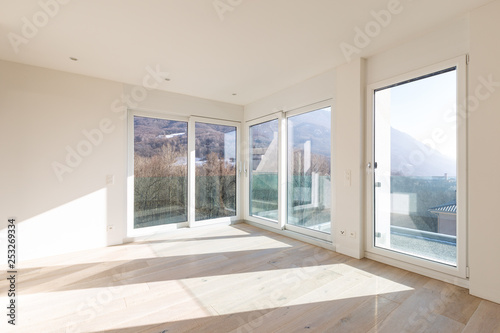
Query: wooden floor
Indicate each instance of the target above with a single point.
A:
(235, 279)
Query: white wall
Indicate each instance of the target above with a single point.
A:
(443, 43)
(42, 114)
(313, 90)
(484, 153)
(349, 107)
(184, 105)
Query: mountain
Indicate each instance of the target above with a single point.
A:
(410, 157)
(151, 134)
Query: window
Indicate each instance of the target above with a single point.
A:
(417, 164)
(181, 172)
(160, 171)
(216, 162)
(309, 170)
(263, 168)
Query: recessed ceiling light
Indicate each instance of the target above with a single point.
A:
(167, 79)
(234, 94)
(73, 58)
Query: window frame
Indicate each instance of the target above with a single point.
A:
(227, 220)
(246, 171)
(137, 232)
(299, 111)
(421, 265)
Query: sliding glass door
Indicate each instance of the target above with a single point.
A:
(263, 170)
(181, 172)
(309, 171)
(216, 162)
(417, 167)
(160, 171)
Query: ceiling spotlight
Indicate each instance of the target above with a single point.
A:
(167, 79)
(73, 58)
(234, 94)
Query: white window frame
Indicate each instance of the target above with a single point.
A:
(192, 172)
(279, 224)
(303, 230)
(445, 272)
(138, 232)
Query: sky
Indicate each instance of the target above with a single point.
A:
(427, 106)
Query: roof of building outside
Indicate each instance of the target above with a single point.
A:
(450, 207)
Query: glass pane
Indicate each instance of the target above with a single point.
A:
(160, 171)
(309, 181)
(415, 178)
(264, 170)
(215, 171)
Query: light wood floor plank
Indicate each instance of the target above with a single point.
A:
(420, 313)
(485, 319)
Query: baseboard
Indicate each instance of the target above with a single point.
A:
(306, 239)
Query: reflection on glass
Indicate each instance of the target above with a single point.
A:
(309, 181)
(215, 186)
(415, 178)
(264, 170)
(160, 171)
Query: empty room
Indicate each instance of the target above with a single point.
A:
(249, 166)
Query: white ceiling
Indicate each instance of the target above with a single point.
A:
(258, 48)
